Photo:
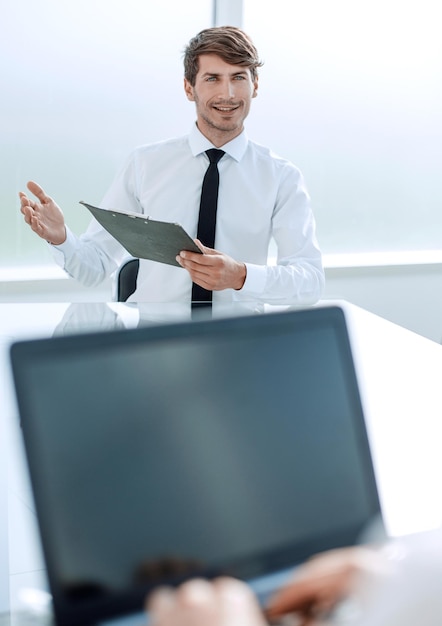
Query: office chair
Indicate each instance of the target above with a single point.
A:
(126, 279)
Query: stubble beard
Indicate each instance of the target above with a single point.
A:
(227, 127)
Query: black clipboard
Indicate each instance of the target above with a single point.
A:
(143, 237)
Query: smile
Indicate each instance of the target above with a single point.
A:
(226, 109)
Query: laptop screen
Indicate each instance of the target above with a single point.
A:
(234, 446)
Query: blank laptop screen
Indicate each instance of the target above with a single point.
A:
(228, 446)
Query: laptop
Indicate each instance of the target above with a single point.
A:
(232, 446)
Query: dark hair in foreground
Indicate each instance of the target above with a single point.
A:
(228, 42)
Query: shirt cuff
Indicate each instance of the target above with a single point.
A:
(255, 280)
(62, 251)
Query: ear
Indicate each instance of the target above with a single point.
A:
(189, 90)
(255, 88)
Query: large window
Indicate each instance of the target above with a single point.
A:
(82, 83)
(351, 91)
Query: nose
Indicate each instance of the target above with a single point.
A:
(227, 90)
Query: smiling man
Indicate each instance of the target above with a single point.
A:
(222, 94)
(259, 197)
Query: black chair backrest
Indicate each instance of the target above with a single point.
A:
(127, 279)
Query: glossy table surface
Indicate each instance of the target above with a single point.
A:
(399, 375)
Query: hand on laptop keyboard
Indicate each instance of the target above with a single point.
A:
(314, 596)
(224, 602)
(322, 583)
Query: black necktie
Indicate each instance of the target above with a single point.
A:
(207, 216)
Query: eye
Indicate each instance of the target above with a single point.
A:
(211, 79)
(240, 77)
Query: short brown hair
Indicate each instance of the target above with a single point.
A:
(228, 42)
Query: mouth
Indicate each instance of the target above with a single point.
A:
(226, 109)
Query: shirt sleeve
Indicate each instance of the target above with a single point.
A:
(298, 275)
(91, 257)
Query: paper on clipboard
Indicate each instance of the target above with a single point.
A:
(145, 238)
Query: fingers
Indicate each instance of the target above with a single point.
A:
(297, 597)
(25, 203)
(160, 602)
(202, 247)
(192, 604)
(193, 260)
(32, 220)
(199, 271)
(320, 583)
(30, 208)
(238, 604)
(27, 210)
(226, 602)
(38, 192)
(201, 267)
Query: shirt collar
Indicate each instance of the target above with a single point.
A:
(235, 148)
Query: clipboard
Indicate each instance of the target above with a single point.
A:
(143, 237)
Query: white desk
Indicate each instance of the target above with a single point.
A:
(399, 374)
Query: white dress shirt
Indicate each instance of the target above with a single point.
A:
(260, 196)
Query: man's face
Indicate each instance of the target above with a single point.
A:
(222, 94)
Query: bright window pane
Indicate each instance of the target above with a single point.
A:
(352, 93)
(83, 83)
